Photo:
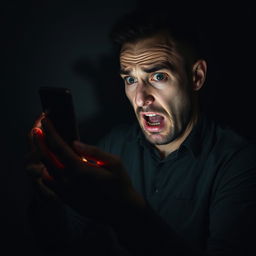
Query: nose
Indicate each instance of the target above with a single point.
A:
(143, 97)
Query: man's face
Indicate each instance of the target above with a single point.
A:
(158, 88)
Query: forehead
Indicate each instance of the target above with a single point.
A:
(148, 52)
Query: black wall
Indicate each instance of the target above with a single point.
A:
(66, 44)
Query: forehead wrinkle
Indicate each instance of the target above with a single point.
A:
(145, 47)
(145, 60)
(148, 52)
(149, 63)
(147, 57)
(134, 52)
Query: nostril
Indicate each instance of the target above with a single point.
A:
(149, 100)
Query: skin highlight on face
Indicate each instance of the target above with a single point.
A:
(159, 90)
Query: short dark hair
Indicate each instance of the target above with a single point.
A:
(139, 25)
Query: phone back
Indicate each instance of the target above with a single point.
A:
(58, 105)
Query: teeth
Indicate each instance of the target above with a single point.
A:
(153, 123)
(150, 114)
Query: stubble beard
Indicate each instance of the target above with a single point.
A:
(162, 138)
(174, 130)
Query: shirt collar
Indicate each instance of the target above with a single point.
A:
(193, 142)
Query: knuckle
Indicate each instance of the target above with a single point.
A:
(94, 150)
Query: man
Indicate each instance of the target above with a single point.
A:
(176, 184)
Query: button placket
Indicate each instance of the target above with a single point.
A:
(156, 186)
(156, 190)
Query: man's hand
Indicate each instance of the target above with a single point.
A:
(34, 166)
(89, 180)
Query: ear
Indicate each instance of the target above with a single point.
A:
(199, 74)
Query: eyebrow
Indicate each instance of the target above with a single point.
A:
(125, 72)
(162, 65)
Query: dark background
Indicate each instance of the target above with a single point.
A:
(66, 44)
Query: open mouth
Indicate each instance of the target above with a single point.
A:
(153, 122)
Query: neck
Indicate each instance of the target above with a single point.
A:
(167, 149)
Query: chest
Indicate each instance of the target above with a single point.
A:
(178, 190)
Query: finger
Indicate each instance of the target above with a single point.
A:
(37, 124)
(34, 156)
(38, 173)
(67, 155)
(38, 170)
(54, 166)
(47, 185)
(60, 148)
(31, 157)
(45, 190)
(91, 152)
(35, 170)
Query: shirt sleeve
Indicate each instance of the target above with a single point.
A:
(232, 213)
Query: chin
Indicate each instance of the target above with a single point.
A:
(160, 139)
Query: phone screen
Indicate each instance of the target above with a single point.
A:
(58, 105)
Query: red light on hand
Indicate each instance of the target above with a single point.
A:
(100, 163)
(37, 131)
(56, 162)
(93, 162)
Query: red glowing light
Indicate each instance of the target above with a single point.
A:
(57, 163)
(92, 162)
(55, 160)
(38, 131)
(100, 163)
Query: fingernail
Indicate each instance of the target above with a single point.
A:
(37, 131)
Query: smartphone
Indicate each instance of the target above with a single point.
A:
(57, 104)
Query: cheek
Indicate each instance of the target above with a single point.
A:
(172, 99)
(129, 94)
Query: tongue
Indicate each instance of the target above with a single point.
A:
(155, 119)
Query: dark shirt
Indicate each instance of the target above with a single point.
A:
(205, 191)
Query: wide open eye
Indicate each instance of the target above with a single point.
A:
(159, 77)
(130, 80)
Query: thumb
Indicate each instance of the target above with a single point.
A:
(94, 154)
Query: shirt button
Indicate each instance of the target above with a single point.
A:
(156, 190)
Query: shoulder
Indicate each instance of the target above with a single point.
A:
(233, 144)
(233, 155)
(222, 151)
(221, 140)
